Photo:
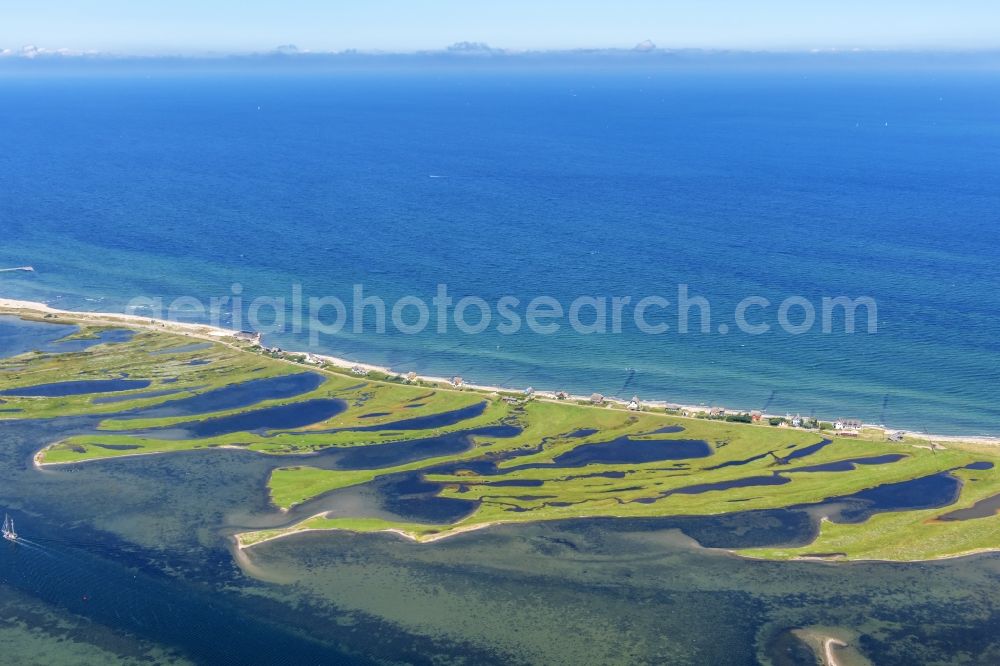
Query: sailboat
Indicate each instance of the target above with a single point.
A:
(8, 532)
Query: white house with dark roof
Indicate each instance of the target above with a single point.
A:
(848, 425)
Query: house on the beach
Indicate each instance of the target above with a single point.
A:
(411, 377)
(796, 421)
(756, 416)
(634, 404)
(847, 425)
(457, 382)
(530, 392)
(561, 395)
(359, 371)
(596, 399)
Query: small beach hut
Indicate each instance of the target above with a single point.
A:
(248, 336)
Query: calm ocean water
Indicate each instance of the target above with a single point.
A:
(561, 184)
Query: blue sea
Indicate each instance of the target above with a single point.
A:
(558, 183)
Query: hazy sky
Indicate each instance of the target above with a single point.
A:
(191, 26)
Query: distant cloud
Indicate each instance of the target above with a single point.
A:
(473, 48)
(645, 46)
(30, 52)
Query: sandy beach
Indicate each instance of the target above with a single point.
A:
(389, 530)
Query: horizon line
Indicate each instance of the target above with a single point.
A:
(478, 50)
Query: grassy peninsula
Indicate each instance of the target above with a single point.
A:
(523, 461)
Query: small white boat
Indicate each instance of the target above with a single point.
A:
(8, 532)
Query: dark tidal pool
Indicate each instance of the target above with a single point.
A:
(279, 417)
(81, 387)
(627, 450)
(235, 396)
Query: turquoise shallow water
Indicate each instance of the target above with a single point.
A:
(561, 184)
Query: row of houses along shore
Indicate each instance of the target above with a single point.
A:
(844, 427)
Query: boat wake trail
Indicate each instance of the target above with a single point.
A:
(34, 546)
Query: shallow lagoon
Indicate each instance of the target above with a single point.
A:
(154, 566)
(19, 336)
